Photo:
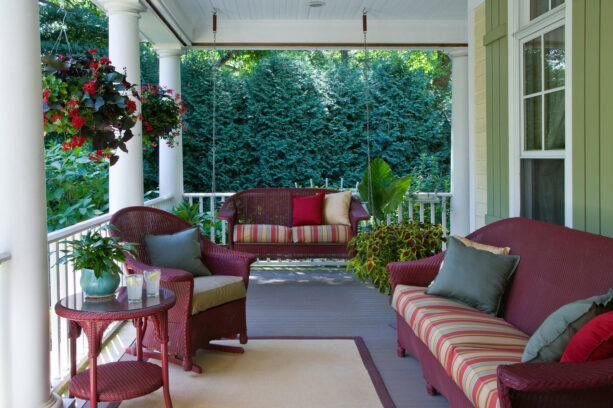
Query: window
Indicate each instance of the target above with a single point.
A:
(540, 7)
(543, 131)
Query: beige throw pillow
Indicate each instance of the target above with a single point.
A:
(336, 208)
(490, 248)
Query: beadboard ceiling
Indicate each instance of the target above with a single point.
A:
(248, 22)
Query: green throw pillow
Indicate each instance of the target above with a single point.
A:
(473, 276)
(178, 251)
(549, 341)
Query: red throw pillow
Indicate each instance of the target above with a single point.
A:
(308, 210)
(594, 341)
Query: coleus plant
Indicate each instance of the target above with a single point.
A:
(87, 100)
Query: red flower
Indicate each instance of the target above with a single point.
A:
(56, 117)
(73, 112)
(93, 51)
(95, 74)
(82, 141)
(132, 106)
(104, 60)
(178, 95)
(169, 91)
(73, 103)
(90, 87)
(78, 121)
(46, 94)
(65, 146)
(154, 144)
(94, 65)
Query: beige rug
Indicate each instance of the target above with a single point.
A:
(297, 373)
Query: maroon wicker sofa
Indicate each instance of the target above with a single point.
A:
(558, 265)
(274, 206)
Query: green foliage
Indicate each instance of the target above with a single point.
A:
(289, 116)
(407, 241)
(162, 111)
(77, 188)
(387, 190)
(96, 251)
(191, 214)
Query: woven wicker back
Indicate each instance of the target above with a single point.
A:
(268, 205)
(558, 265)
(133, 222)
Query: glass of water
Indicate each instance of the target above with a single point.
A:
(152, 280)
(135, 288)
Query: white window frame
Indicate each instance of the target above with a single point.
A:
(520, 30)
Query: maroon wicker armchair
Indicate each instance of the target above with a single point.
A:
(187, 332)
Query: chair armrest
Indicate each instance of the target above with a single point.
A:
(556, 384)
(223, 261)
(357, 213)
(180, 282)
(415, 273)
(227, 212)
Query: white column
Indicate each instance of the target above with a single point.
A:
(126, 176)
(460, 180)
(171, 158)
(24, 296)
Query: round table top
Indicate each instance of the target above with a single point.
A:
(113, 308)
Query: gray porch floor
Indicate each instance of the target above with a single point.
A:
(331, 302)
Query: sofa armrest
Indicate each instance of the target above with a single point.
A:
(556, 384)
(357, 213)
(180, 282)
(415, 273)
(223, 261)
(226, 212)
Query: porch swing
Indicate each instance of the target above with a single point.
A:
(292, 223)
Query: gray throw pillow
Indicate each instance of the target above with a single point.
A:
(473, 276)
(549, 341)
(178, 251)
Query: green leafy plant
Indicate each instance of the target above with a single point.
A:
(387, 190)
(97, 252)
(406, 241)
(163, 113)
(191, 214)
(86, 99)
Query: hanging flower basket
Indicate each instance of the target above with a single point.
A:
(85, 98)
(162, 115)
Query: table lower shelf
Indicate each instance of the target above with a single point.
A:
(119, 381)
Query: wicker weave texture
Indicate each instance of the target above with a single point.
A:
(186, 333)
(274, 206)
(558, 265)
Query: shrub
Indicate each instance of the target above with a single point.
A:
(406, 241)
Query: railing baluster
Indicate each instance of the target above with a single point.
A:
(410, 209)
(399, 213)
(326, 182)
(341, 189)
(433, 212)
(212, 209)
(223, 225)
(421, 211)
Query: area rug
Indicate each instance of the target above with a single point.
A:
(278, 372)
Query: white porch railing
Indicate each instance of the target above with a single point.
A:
(63, 281)
(426, 207)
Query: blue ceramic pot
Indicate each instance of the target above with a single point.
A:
(98, 287)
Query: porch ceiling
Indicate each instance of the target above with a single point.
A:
(293, 24)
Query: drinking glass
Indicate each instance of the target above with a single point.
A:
(152, 280)
(135, 288)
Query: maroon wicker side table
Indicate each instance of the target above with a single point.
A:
(119, 380)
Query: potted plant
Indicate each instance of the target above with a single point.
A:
(98, 257)
(85, 98)
(406, 241)
(162, 113)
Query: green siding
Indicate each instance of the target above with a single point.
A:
(497, 100)
(592, 155)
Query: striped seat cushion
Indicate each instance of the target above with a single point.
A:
(468, 343)
(256, 233)
(311, 234)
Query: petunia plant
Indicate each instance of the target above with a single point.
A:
(87, 100)
(162, 114)
(406, 241)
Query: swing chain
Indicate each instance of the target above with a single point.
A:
(213, 150)
(367, 95)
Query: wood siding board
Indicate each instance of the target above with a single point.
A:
(490, 128)
(496, 128)
(592, 116)
(606, 120)
(504, 129)
(578, 129)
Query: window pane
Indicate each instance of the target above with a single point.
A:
(556, 3)
(554, 120)
(555, 62)
(533, 123)
(542, 190)
(532, 66)
(538, 7)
